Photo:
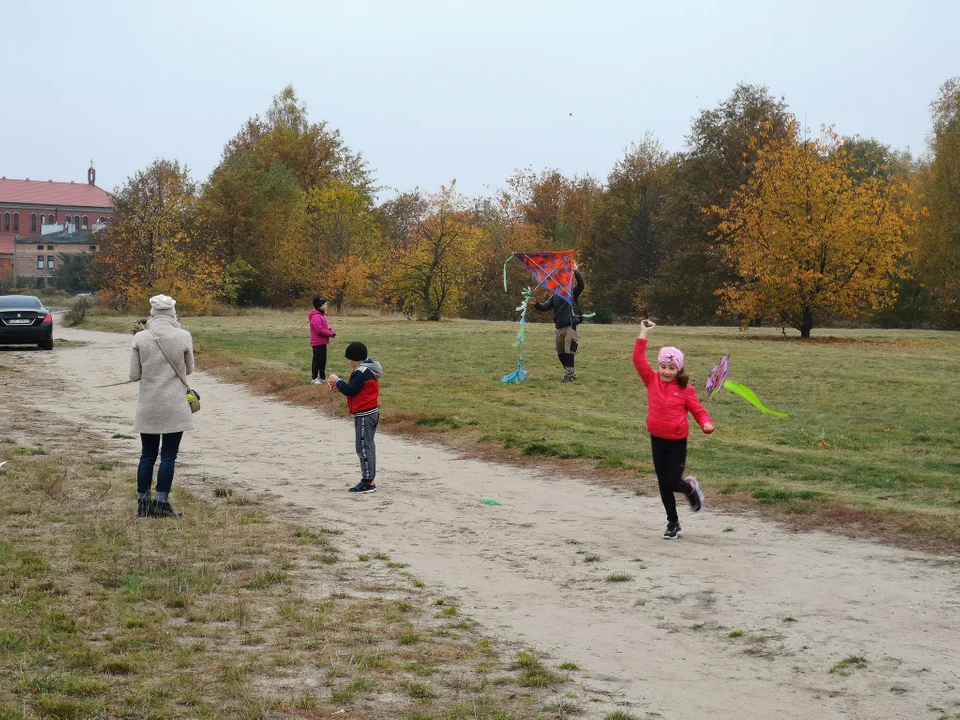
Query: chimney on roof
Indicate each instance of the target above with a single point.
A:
(91, 175)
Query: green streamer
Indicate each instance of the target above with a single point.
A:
(748, 395)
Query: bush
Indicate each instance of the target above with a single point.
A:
(78, 313)
(604, 315)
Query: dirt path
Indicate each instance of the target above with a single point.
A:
(658, 644)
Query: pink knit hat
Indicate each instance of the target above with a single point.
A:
(671, 355)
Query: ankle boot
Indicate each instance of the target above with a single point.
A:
(165, 510)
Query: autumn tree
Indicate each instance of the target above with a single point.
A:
(716, 161)
(149, 246)
(557, 205)
(432, 267)
(254, 206)
(624, 247)
(343, 245)
(503, 232)
(937, 261)
(807, 238)
(6, 277)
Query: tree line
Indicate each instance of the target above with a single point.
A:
(756, 220)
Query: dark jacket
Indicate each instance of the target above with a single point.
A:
(563, 315)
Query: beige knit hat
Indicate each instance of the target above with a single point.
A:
(163, 305)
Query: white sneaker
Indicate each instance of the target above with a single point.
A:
(696, 497)
(318, 381)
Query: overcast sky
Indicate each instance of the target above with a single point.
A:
(431, 91)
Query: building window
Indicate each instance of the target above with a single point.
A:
(86, 221)
(39, 247)
(49, 247)
(49, 262)
(51, 219)
(39, 262)
(33, 222)
(101, 219)
(76, 221)
(93, 248)
(16, 222)
(43, 219)
(6, 222)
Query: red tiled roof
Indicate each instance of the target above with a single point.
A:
(46, 192)
(6, 246)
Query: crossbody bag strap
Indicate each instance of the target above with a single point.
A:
(172, 364)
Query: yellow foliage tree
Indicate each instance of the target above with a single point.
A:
(148, 247)
(809, 239)
(937, 259)
(343, 241)
(432, 269)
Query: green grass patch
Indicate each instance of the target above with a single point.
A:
(886, 448)
(848, 663)
(533, 673)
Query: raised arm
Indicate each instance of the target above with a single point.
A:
(640, 353)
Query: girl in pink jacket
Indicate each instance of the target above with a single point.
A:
(669, 398)
(320, 334)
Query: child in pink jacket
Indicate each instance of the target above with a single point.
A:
(320, 334)
(669, 398)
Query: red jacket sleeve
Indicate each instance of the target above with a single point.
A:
(640, 361)
(696, 408)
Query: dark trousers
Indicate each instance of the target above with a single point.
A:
(318, 369)
(150, 445)
(365, 427)
(669, 458)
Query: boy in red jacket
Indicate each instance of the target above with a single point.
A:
(669, 398)
(363, 402)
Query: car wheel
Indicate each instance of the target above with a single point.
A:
(47, 344)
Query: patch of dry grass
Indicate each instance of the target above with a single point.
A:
(217, 616)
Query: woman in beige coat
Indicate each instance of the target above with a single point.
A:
(163, 412)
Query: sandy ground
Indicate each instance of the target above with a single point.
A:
(657, 645)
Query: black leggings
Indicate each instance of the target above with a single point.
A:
(319, 367)
(669, 458)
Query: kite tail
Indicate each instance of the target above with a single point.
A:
(518, 375)
(748, 395)
(505, 271)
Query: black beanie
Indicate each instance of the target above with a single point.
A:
(318, 301)
(356, 351)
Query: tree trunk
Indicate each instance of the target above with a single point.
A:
(806, 324)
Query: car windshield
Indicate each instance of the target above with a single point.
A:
(14, 302)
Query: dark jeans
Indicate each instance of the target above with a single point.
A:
(319, 367)
(148, 458)
(669, 458)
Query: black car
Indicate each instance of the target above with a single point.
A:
(25, 321)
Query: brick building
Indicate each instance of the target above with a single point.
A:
(40, 219)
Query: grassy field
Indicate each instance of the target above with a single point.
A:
(239, 610)
(871, 443)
